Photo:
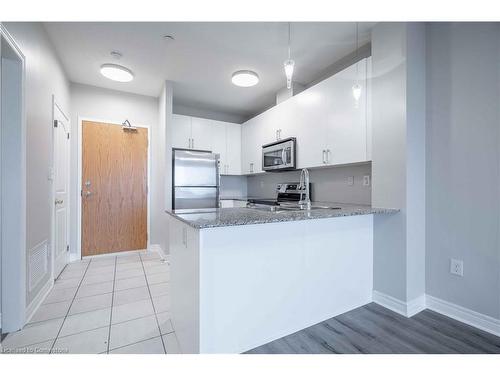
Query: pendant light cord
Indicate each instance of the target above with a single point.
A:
(357, 48)
(289, 32)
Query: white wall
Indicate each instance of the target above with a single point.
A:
(114, 106)
(398, 166)
(45, 77)
(463, 187)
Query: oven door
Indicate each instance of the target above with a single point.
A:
(279, 155)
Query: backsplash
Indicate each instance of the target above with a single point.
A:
(233, 186)
(328, 184)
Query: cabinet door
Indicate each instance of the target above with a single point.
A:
(307, 122)
(250, 146)
(219, 141)
(233, 150)
(181, 131)
(346, 121)
(201, 131)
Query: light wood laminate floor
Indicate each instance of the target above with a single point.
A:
(375, 329)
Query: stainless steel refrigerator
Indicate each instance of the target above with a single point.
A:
(195, 179)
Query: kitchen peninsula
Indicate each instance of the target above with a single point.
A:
(242, 277)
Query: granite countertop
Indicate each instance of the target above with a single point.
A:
(225, 217)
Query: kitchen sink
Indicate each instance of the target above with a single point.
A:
(281, 209)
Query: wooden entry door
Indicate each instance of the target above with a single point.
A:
(114, 188)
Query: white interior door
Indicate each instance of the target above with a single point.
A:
(61, 194)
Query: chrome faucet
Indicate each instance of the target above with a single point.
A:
(305, 197)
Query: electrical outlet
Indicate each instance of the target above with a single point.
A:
(457, 267)
(350, 180)
(366, 180)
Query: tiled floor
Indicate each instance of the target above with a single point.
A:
(111, 304)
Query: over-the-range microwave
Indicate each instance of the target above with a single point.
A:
(279, 155)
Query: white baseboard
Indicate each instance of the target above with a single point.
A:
(407, 309)
(158, 249)
(37, 301)
(464, 315)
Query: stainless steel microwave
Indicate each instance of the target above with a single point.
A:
(279, 155)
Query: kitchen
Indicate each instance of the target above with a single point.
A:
(295, 188)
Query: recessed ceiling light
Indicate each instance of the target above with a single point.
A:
(245, 78)
(117, 73)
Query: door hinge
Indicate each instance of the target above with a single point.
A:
(55, 123)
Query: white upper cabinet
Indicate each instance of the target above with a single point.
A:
(330, 126)
(233, 151)
(201, 134)
(223, 138)
(181, 131)
(251, 146)
(218, 129)
(226, 141)
(347, 118)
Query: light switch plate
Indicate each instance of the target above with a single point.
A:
(457, 267)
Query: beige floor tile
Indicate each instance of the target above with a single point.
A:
(85, 304)
(33, 333)
(130, 295)
(161, 304)
(133, 282)
(151, 346)
(89, 342)
(158, 278)
(86, 321)
(160, 289)
(164, 322)
(51, 311)
(60, 295)
(95, 289)
(171, 343)
(132, 310)
(133, 331)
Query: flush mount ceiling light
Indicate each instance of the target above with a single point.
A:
(245, 78)
(117, 73)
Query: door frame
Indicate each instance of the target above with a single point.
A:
(79, 211)
(13, 263)
(55, 106)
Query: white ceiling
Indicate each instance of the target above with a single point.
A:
(203, 56)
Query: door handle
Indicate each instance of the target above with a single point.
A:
(251, 167)
(59, 201)
(283, 156)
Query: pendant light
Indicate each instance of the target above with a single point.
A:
(356, 88)
(289, 64)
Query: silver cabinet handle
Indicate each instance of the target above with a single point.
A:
(324, 156)
(59, 201)
(251, 167)
(328, 156)
(192, 142)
